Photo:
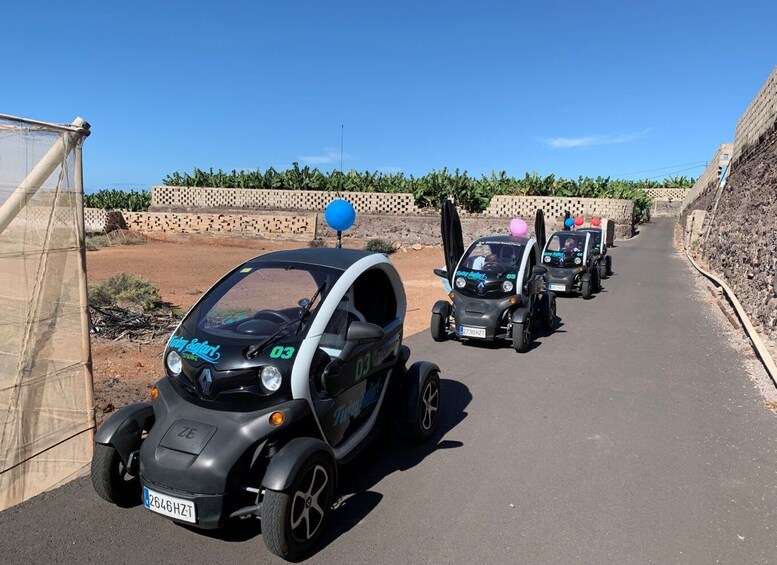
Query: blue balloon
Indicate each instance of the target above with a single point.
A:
(569, 222)
(340, 215)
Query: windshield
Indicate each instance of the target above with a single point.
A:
(493, 257)
(262, 300)
(565, 249)
(596, 237)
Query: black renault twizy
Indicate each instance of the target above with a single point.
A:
(572, 261)
(497, 286)
(282, 371)
(605, 259)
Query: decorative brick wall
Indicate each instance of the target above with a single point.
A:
(263, 225)
(758, 119)
(399, 204)
(710, 178)
(95, 220)
(260, 199)
(621, 211)
(667, 193)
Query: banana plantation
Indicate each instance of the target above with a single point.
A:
(470, 192)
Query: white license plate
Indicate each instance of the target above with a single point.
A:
(467, 331)
(170, 506)
(558, 287)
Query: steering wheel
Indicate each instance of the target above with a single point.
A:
(266, 313)
(493, 268)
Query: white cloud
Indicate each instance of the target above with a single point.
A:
(328, 156)
(586, 141)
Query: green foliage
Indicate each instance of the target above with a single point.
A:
(380, 245)
(125, 290)
(471, 193)
(131, 200)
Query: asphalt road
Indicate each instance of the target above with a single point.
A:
(631, 435)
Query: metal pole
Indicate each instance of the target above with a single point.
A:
(82, 289)
(40, 174)
(339, 243)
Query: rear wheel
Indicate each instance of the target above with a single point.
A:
(439, 323)
(608, 261)
(111, 479)
(602, 271)
(293, 521)
(427, 411)
(549, 311)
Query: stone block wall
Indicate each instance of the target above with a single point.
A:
(741, 242)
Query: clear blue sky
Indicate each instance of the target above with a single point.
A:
(563, 87)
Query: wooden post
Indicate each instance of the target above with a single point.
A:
(82, 289)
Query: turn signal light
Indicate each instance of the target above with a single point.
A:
(513, 300)
(450, 295)
(277, 418)
(154, 392)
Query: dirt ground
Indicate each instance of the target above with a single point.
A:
(185, 267)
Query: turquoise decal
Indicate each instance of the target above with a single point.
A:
(195, 348)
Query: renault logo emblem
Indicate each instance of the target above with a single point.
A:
(481, 287)
(206, 380)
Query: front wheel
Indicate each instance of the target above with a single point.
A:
(522, 335)
(293, 521)
(608, 261)
(585, 289)
(439, 323)
(111, 478)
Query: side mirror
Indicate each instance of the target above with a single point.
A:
(330, 378)
(442, 273)
(539, 270)
(364, 332)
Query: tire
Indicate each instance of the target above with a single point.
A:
(427, 411)
(287, 517)
(585, 289)
(110, 478)
(608, 261)
(602, 271)
(549, 311)
(439, 324)
(596, 281)
(522, 335)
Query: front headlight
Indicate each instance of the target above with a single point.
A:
(460, 282)
(507, 286)
(174, 362)
(271, 378)
(578, 260)
(546, 259)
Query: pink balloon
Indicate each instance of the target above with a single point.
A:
(596, 222)
(579, 221)
(518, 227)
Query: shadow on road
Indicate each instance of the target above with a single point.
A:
(390, 455)
(384, 457)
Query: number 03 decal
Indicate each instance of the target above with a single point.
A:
(363, 365)
(280, 352)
